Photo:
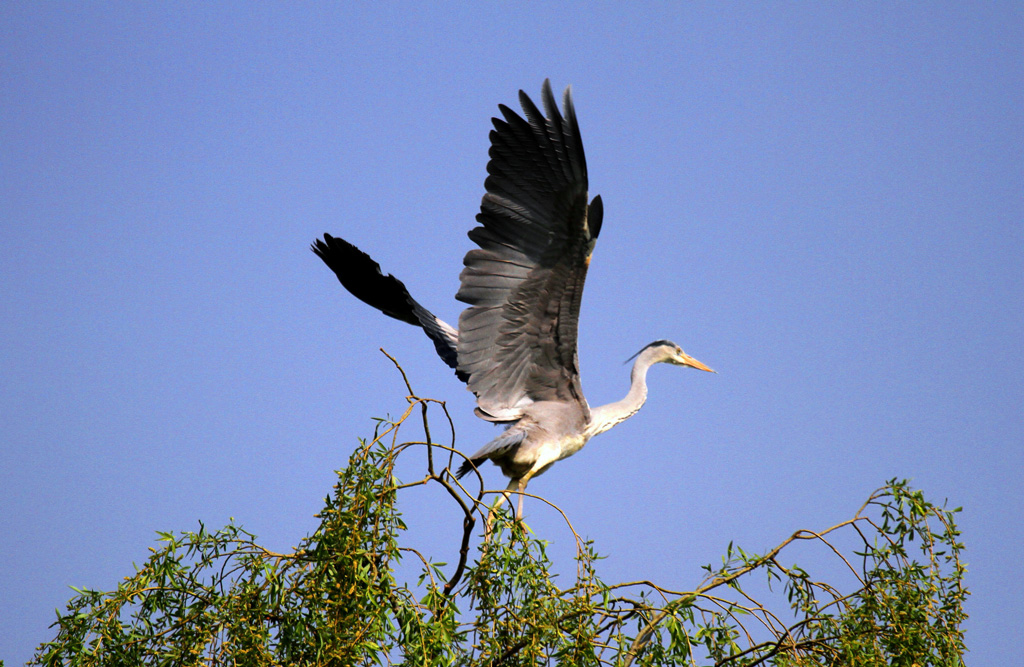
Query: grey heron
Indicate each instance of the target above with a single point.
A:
(515, 346)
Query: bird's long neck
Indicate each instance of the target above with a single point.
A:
(604, 417)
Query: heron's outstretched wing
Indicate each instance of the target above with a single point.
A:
(363, 278)
(517, 340)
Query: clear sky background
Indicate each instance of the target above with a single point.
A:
(823, 202)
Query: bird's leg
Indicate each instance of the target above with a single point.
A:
(521, 487)
(502, 499)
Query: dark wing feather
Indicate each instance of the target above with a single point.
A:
(517, 340)
(362, 276)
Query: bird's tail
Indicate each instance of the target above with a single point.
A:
(512, 437)
(466, 466)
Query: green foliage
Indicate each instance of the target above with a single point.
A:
(218, 598)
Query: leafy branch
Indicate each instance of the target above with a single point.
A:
(218, 598)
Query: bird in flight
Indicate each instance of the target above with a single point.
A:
(515, 346)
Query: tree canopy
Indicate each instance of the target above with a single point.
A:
(219, 598)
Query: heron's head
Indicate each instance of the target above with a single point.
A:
(665, 351)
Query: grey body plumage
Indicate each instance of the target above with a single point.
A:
(515, 345)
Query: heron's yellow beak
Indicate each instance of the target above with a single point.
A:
(687, 360)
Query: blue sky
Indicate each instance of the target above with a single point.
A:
(823, 202)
